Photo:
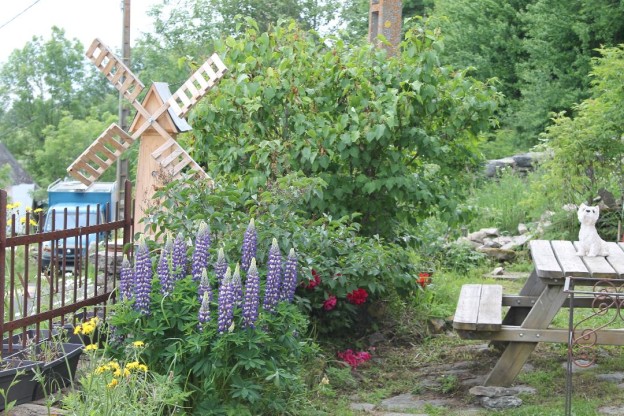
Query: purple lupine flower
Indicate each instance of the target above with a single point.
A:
(274, 277)
(220, 266)
(226, 303)
(252, 296)
(204, 311)
(289, 285)
(237, 286)
(204, 286)
(249, 244)
(164, 268)
(142, 278)
(178, 258)
(126, 280)
(199, 261)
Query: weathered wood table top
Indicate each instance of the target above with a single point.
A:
(554, 260)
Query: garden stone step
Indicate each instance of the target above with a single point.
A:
(31, 409)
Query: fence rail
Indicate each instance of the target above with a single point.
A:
(47, 294)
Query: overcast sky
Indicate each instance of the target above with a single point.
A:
(81, 19)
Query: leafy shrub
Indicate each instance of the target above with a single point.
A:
(347, 262)
(246, 358)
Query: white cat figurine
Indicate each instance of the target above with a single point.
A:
(590, 243)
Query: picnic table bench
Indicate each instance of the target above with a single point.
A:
(479, 313)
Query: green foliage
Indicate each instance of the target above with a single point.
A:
(5, 176)
(247, 370)
(333, 247)
(391, 137)
(109, 388)
(65, 142)
(587, 148)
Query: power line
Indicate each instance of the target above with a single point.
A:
(19, 14)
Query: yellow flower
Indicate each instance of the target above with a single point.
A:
(23, 220)
(78, 330)
(38, 210)
(117, 373)
(32, 222)
(133, 365)
(101, 369)
(114, 365)
(143, 367)
(113, 383)
(126, 372)
(138, 344)
(91, 347)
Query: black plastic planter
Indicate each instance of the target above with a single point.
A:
(21, 374)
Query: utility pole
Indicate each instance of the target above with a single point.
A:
(122, 163)
(385, 18)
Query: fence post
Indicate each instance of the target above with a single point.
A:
(128, 217)
(3, 237)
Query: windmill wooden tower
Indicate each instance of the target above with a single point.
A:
(159, 118)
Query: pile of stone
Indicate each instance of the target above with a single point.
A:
(495, 245)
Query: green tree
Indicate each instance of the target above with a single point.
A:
(588, 147)
(65, 142)
(391, 137)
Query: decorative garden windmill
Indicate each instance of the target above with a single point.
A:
(158, 120)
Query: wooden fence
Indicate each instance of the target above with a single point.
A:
(38, 297)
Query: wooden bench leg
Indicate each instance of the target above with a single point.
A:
(516, 354)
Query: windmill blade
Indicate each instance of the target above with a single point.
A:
(115, 70)
(102, 153)
(173, 159)
(197, 85)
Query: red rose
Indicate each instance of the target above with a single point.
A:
(357, 297)
(316, 280)
(354, 359)
(330, 303)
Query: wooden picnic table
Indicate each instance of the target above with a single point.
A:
(530, 314)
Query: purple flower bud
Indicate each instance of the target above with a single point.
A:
(274, 277)
(178, 258)
(142, 278)
(249, 245)
(126, 280)
(164, 268)
(289, 285)
(237, 286)
(252, 296)
(220, 266)
(204, 311)
(226, 303)
(204, 286)
(199, 261)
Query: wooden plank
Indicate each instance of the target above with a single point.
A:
(516, 354)
(521, 302)
(598, 266)
(467, 310)
(490, 304)
(571, 263)
(546, 264)
(616, 258)
(509, 333)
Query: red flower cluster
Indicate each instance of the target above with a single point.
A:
(424, 279)
(330, 303)
(358, 296)
(354, 359)
(316, 280)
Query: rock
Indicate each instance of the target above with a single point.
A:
(516, 242)
(477, 236)
(363, 407)
(437, 325)
(502, 402)
(611, 378)
(467, 241)
(31, 409)
(499, 254)
(611, 410)
(491, 232)
(493, 167)
(525, 390)
(491, 243)
(607, 198)
(499, 271)
(523, 161)
(492, 391)
(522, 229)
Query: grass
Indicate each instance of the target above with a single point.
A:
(418, 364)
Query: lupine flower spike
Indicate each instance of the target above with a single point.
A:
(164, 268)
(237, 286)
(204, 311)
(178, 258)
(199, 261)
(126, 280)
(289, 285)
(220, 266)
(204, 287)
(274, 277)
(252, 296)
(226, 303)
(249, 245)
(142, 278)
